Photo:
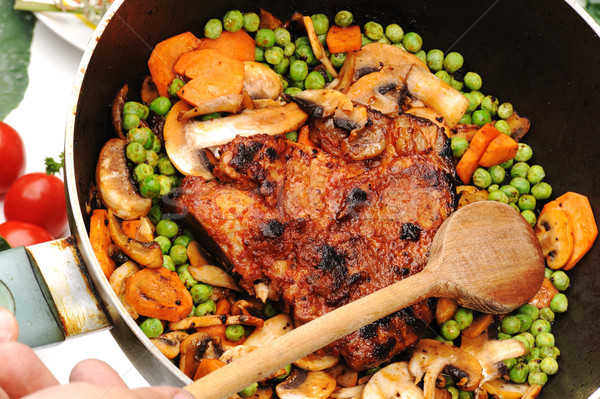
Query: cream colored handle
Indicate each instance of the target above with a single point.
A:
(262, 362)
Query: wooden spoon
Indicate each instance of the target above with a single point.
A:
(485, 256)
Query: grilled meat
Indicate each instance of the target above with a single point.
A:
(322, 229)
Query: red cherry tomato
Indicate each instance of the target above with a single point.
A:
(19, 233)
(39, 199)
(12, 156)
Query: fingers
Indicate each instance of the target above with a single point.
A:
(80, 390)
(21, 371)
(9, 329)
(96, 372)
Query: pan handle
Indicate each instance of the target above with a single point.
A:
(47, 288)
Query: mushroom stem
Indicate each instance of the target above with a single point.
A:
(147, 254)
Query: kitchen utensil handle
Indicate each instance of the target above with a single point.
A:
(46, 287)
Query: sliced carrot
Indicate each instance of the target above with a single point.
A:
(207, 366)
(101, 242)
(544, 296)
(165, 55)
(342, 40)
(478, 326)
(223, 306)
(583, 223)
(470, 159)
(239, 45)
(195, 63)
(158, 293)
(501, 149)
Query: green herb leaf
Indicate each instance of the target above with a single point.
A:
(53, 167)
(16, 31)
(4, 245)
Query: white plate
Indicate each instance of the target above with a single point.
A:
(69, 27)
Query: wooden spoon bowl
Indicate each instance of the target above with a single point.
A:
(485, 256)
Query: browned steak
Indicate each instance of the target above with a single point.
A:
(323, 230)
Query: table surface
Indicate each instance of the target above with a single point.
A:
(41, 119)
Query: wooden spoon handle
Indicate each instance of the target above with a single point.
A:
(264, 361)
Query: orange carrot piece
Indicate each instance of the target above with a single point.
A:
(101, 242)
(239, 45)
(478, 326)
(195, 63)
(223, 306)
(303, 137)
(583, 223)
(165, 55)
(501, 149)
(445, 310)
(159, 293)
(219, 332)
(544, 296)
(207, 366)
(470, 159)
(342, 40)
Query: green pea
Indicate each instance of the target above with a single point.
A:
(302, 40)
(412, 42)
(534, 353)
(293, 136)
(510, 363)
(519, 169)
(435, 60)
(150, 187)
(298, 70)
(201, 292)
(453, 62)
(457, 84)
(152, 158)
(560, 279)
(511, 192)
(530, 217)
(182, 240)
(305, 52)
(465, 395)
(179, 254)
(534, 365)
(233, 21)
(167, 228)
(560, 303)
(422, 55)
(165, 166)
(527, 339)
(259, 54)
(535, 174)
(274, 55)
(165, 244)
(320, 23)
(249, 390)
(156, 146)
(550, 351)
(482, 178)
(130, 121)
(314, 80)
(445, 76)
(168, 263)
(481, 117)
(135, 108)
(466, 119)
(213, 115)
(497, 173)
(544, 339)
(510, 324)
(184, 275)
(549, 366)
(288, 370)
(235, 332)
(527, 202)
(151, 327)
(505, 110)
(142, 135)
(459, 145)
(165, 184)
(373, 30)
(503, 336)
(524, 153)
(205, 308)
(503, 127)
(541, 191)
(270, 310)
(547, 314)
(521, 184)
(337, 59)
(160, 105)
(213, 28)
(473, 81)
(251, 22)
(293, 91)
(514, 206)
(493, 187)
(525, 322)
(141, 171)
(282, 37)
(472, 102)
(464, 317)
(490, 104)
(548, 272)
(442, 339)
(175, 86)
(508, 164)
(478, 96)
(265, 38)
(343, 18)
(289, 49)
(454, 393)
(155, 214)
(450, 330)
(394, 33)
(498, 195)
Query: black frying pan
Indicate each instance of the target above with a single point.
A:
(540, 55)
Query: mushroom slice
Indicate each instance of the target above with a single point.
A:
(272, 328)
(555, 233)
(146, 254)
(375, 56)
(238, 351)
(215, 320)
(392, 381)
(261, 82)
(506, 390)
(321, 103)
(169, 344)
(262, 290)
(192, 348)
(189, 160)
(215, 132)
(355, 392)
(121, 273)
(491, 353)
(345, 78)
(431, 357)
(302, 384)
(317, 361)
(213, 275)
(117, 110)
(317, 47)
(428, 113)
(470, 194)
(231, 103)
(249, 307)
(114, 183)
(382, 91)
(353, 120)
(344, 375)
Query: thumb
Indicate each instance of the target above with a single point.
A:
(9, 329)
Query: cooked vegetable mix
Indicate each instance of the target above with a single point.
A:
(241, 74)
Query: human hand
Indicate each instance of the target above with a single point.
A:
(23, 375)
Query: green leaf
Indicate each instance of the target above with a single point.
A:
(4, 245)
(16, 31)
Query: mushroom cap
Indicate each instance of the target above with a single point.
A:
(261, 82)
(392, 381)
(302, 384)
